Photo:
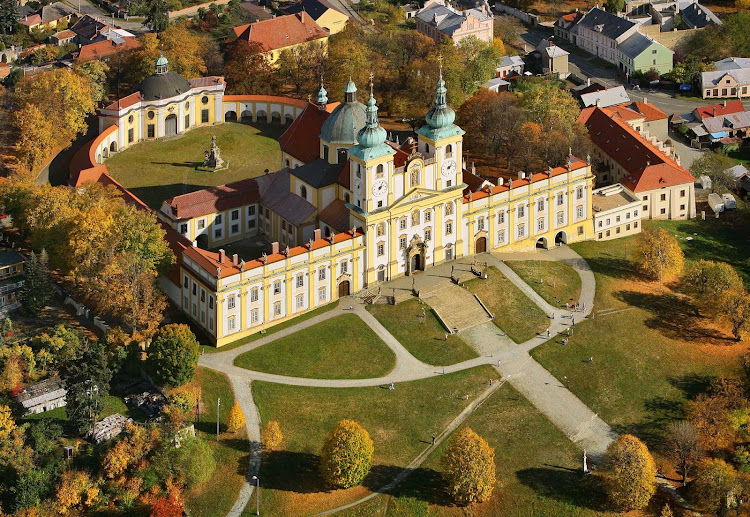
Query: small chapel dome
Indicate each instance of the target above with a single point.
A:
(163, 84)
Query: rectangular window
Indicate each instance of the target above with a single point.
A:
(203, 296)
(204, 116)
(381, 250)
(540, 205)
(195, 310)
(231, 323)
(427, 235)
(501, 218)
(300, 281)
(195, 289)
(682, 193)
(251, 210)
(235, 229)
(210, 323)
(254, 316)
(521, 211)
(617, 230)
(608, 233)
(521, 230)
(322, 294)
(254, 294)
(540, 224)
(150, 132)
(663, 211)
(217, 233)
(201, 224)
(183, 228)
(617, 219)
(427, 216)
(627, 227)
(402, 243)
(663, 197)
(210, 302)
(501, 236)
(187, 121)
(277, 309)
(277, 287)
(645, 208)
(186, 282)
(230, 302)
(235, 214)
(682, 207)
(561, 218)
(131, 136)
(635, 224)
(251, 223)
(185, 302)
(480, 224)
(322, 273)
(579, 212)
(402, 224)
(627, 216)
(344, 267)
(300, 301)
(579, 193)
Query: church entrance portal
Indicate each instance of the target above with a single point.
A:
(481, 246)
(170, 125)
(416, 263)
(344, 289)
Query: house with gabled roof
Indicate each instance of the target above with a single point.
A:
(438, 20)
(323, 12)
(730, 79)
(284, 33)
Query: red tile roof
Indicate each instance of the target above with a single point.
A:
(336, 215)
(623, 112)
(302, 138)
(65, 34)
(214, 199)
(648, 167)
(715, 110)
(650, 111)
(282, 31)
(402, 153)
(345, 175)
(288, 101)
(30, 21)
(105, 48)
(125, 102)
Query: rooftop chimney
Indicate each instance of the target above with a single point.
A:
(645, 100)
(274, 248)
(598, 103)
(316, 234)
(222, 256)
(725, 103)
(521, 175)
(500, 181)
(235, 259)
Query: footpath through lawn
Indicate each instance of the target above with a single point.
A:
(343, 347)
(400, 422)
(423, 337)
(515, 313)
(560, 283)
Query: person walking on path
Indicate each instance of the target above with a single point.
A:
(433, 440)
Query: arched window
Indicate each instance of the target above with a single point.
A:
(303, 191)
(287, 162)
(327, 232)
(379, 172)
(448, 208)
(448, 150)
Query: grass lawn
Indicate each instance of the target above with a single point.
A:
(561, 282)
(724, 239)
(741, 155)
(217, 495)
(423, 340)
(343, 347)
(400, 423)
(157, 170)
(281, 326)
(650, 357)
(514, 312)
(111, 404)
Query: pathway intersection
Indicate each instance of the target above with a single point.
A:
(549, 395)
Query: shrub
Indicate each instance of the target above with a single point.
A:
(469, 467)
(346, 456)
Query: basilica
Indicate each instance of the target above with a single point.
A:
(348, 210)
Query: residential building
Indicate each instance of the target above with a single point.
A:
(438, 20)
(62, 37)
(290, 32)
(639, 53)
(726, 123)
(554, 59)
(106, 49)
(497, 85)
(605, 98)
(164, 104)
(410, 10)
(11, 280)
(88, 29)
(323, 12)
(510, 66)
(599, 32)
(564, 24)
(730, 79)
(47, 17)
(43, 396)
(645, 118)
(616, 212)
(642, 166)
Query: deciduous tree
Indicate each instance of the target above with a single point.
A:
(7, 423)
(76, 490)
(735, 309)
(684, 446)
(95, 72)
(708, 281)
(248, 70)
(346, 456)
(630, 475)
(272, 436)
(714, 481)
(235, 418)
(713, 164)
(195, 462)
(173, 355)
(183, 48)
(658, 254)
(469, 467)
(709, 414)
(36, 136)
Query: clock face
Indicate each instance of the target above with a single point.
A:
(358, 185)
(379, 188)
(449, 168)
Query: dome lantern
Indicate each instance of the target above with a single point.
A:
(440, 115)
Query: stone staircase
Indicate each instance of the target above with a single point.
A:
(455, 306)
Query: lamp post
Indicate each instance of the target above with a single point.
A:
(257, 495)
(218, 405)
(661, 263)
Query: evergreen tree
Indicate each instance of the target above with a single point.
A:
(8, 15)
(87, 377)
(157, 16)
(37, 290)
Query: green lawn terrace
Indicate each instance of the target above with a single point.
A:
(161, 169)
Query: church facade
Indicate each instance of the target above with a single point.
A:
(350, 209)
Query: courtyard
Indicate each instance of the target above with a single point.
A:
(157, 170)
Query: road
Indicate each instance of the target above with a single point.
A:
(87, 7)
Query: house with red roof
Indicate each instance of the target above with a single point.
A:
(104, 50)
(284, 33)
(624, 155)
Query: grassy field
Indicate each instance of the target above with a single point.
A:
(422, 337)
(217, 495)
(400, 422)
(281, 326)
(343, 347)
(514, 312)
(741, 155)
(651, 352)
(561, 282)
(157, 170)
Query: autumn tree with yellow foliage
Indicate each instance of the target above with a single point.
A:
(346, 456)
(7, 423)
(76, 491)
(469, 467)
(235, 418)
(182, 48)
(272, 436)
(630, 473)
(658, 255)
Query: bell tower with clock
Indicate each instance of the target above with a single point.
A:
(442, 140)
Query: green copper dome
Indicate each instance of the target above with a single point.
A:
(322, 96)
(344, 122)
(162, 61)
(372, 135)
(441, 115)
(350, 87)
